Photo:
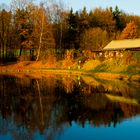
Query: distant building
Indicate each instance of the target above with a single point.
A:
(116, 47)
(127, 44)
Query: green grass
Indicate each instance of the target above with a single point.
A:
(123, 65)
(136, 56)
(100, 68)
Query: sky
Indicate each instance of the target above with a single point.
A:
(128, 6)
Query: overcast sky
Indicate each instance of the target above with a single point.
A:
(129, 6)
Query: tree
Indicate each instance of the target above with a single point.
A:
(42, 35)
(20, 4)
(22, 23)
(96, 39)
(73, 30)
(83, 26)
(83, 20)
(5, 33)
(130, 31)
(136, 19)
(42, 15)
(23, 28)
(103, 18)
(58, 16)
(119, 17)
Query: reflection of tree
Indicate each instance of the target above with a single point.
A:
(68, 84)
(26, 103)
(40, 101)
(43, 105)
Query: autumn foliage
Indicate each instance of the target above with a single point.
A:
(32, 32)
(130, 31)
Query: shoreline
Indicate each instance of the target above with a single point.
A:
(38, 68)
(43, 71)
(47, 71)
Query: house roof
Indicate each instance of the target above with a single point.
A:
(123, 44)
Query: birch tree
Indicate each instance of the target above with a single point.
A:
(42, 35)
(42, 17)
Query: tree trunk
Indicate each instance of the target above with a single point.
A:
(40, 39)
(21, 48)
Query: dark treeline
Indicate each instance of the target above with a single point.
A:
(33, 32)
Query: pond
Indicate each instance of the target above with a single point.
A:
(68, 107)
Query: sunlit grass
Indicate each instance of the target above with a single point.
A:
(91, 64)
(110, 68)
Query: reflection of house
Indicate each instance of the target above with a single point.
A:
(116, 47)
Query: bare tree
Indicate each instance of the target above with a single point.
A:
(20, 4)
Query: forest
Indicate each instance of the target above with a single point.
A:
(33, 32)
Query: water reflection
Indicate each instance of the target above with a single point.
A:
(47, 106)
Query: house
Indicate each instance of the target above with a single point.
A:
(116, 47)
(127, 44)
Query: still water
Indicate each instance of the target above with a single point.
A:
(66, 107)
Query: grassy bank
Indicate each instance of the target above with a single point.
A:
(124, 68)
